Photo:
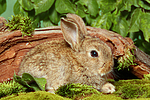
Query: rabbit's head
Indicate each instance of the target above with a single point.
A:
(92, 53)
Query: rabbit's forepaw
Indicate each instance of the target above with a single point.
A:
(108, 88)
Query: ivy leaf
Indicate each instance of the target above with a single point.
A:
(88, 19)
(128, 3)
(42, 5)
(120, 26)
(134, 2)
(144, 5)
(47, 22)
(53, 15)
(16, 8)
(135, 20)
(123, 5)
(104, 21)
(31, 82)
(26, 4)
(83, 2)
(92, 7)
(80, 10)
(148, 1)
(145, 25)
(107, 5)
(2, 6)
(64, 6)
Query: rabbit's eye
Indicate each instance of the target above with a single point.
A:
(94, 53)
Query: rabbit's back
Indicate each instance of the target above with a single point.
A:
(48, 58)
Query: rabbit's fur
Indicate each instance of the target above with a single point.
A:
(77, 59)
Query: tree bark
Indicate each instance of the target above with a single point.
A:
(13, 47)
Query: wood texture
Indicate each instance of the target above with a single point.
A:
(13, 47)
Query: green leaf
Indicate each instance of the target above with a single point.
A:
(2, 6)
(145, 25)
(83, 2)
(80, 10)
(148, 1)
(16, 8)
(41, 82)
(120, 26)
(26, 4)
(135, 20)
(20, 80)
(53, 15)
(144, 4)
(134, 2)
(88, 19)
(123, 5)
(107, 5)
(64, 6)
(47, 23)
(92, 7)
(42, 5)
(104, 21)
(31, 82)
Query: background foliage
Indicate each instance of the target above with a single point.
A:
(126, 17)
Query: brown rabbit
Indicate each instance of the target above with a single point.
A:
(77, 59)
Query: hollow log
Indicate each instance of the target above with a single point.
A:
(13, 47)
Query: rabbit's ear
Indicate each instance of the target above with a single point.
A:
(72, 32)
(78, 20)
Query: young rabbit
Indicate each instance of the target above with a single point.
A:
(77, 59)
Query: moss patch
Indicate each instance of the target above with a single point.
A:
(135, 88)
(19, 22)
(126, 60)
(103, 97)
(38, 95)
(10, 87)
(78, 90)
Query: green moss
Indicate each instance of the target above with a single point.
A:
(135, 88)
(38, 95)
(125, 89)
(8, 88)
(147, 76)
(19, 22)
(103, 97)
(73, 90)
(126, 60)
(140, 99)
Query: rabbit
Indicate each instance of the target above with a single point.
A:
(78, 58)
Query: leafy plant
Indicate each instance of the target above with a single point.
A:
(72, 90)
(31, 82)
(19, 22)
(26, 83)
